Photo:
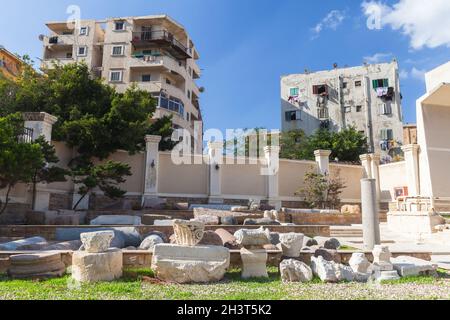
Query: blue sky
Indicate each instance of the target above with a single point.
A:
(245, 46)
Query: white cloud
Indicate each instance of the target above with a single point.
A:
(404, 74)
(418, 74)
(427, 23)
(331, 21)
(378, 57)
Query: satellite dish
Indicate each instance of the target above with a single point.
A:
(41, 37)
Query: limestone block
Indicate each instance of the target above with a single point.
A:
(291, 244)
(274, 238)
(112, 220)
(253, 237)
(386, 275)
(268, 215)
(295, 271)
(228, 221)
(163, 223)
(19, 244)
(123, 236)
(207, 220)
(239, 209)
(329, 255)
(186, 264)
(325, 270)
(359, 263)
(150, 242)
(344, 273)
(96, 242)
(36, 266)
(411, 266)
(210, 238)
(382, 258)
(67, 245)
(254, 263)
(93, 267)
(149, 219)
(188, 233)
(228, 240)
(261, 222)
(162, 235)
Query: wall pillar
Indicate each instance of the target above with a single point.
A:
(366, 162)
(151, 165)
(215, 156)
(370, 214)
(411, 152)
(323, 161)
(272, 155)
(42, 125)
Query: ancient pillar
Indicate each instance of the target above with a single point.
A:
(150, 196)
(374, 165)
(215, 154)
(411, 152)
(323, 161)
(272, 155)
(370, 216)
(366, 162)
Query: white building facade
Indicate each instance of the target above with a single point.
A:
(366, 97)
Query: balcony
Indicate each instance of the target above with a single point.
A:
(59, 40)
(49, 62)
(322, 114)
(166, 62)
(162, 39)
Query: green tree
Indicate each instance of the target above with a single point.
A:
(292, 144)
(49, 172)
(106, 177)
(18, 160)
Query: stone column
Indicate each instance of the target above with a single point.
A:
(42, 125)
(272, 155)
(366, 162)
(151, 165)
(323, 160)
(412, 168)
(374, 165)
(215, 154)
(370, 216)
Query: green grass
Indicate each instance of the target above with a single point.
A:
(138, 284)
(348, 248)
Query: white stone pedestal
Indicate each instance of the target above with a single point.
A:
(254, 263)
(94, 267)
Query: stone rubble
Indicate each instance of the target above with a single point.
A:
(188, 233)
(291, 244)
(36, 266)
(295, 271)
(96, 242)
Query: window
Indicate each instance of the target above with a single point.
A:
(385, 109)
(293, 115)
(168, 81)
(358, 108)
(117, 50)
(347, 109)
(147, 52)
(146, 78)
(293, 92)
(82, 51)
(320, 89)
(188, 116)
(189, 94)
(84, 31)
(386, 134)
(358, 83)
(344, 85)
(380, 83)
(115, 76)
(119, 26)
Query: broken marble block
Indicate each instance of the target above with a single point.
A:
(187, 264)
(228, 240)
(359, 263)
(163, 223)
(410, 266)
(291, 244)
(382, 258)
(385, 275)
(94, 267)
(96, 242)
(210, 238)
(344, 273)
(254, 263)
(112, 220)
(324, 269)
(188, 233)
(295, 271)
(150, 242)
(66, 245)
(36, 266)
(253, 237)
(20, 244)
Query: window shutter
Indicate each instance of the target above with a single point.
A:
(385, 83)
(390, 134)
(375, 84)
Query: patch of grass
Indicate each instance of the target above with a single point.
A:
(348, 248)
(413, 279)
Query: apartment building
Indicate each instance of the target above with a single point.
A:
(153, 52)
(367, 97)
(10, 64)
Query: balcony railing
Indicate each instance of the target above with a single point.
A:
(172, 105)
(26, 136)
(322, 113)
(161, 37)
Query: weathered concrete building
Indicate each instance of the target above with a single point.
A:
(154, 52)
(366, 97)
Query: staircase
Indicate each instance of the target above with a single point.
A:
(346, 232)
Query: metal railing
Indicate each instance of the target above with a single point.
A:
(147, 36)
(26, 136)
(322, 113)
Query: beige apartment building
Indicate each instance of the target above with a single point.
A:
(367, 97)
(153, 52)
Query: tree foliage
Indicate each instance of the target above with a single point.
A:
(346, 145)
(321, 191)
